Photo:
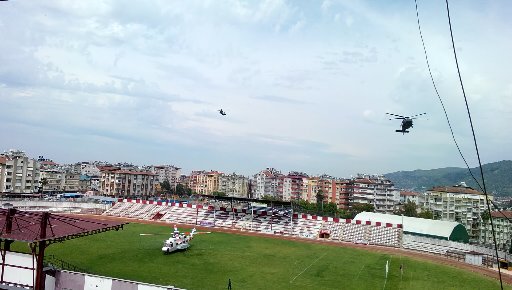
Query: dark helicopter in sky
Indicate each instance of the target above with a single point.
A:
(406, 121)
(222, 112)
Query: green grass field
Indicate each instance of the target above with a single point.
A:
(252, 263)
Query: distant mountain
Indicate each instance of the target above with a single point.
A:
(498, 178)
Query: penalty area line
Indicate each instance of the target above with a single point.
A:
(291, 281)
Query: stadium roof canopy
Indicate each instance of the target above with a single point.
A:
(444, 230)
(26, 226)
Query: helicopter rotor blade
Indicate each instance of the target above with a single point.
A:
(415, 116)
(396, 115)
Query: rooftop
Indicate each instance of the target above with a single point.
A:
(502, 214)
(26, 226)
(455, 189)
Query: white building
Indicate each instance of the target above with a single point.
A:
(55, 180)
(457, 203)
(406, 196)
(89, 169)
(502, 228)
(375, 190)
(71, 182)
(19, 174)
(266, 183)
(233, 185)
(170, 173)
(127, 183)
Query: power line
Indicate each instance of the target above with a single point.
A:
(484, 189)
(439, 97)
(474, 140)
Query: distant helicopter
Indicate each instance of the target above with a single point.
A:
(222, 112)
(406, 122)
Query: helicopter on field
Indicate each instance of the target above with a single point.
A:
(406, 121)
(178, 241)
(222, 112)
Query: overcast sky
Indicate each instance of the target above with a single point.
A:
(305, 84)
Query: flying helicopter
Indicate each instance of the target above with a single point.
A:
(178, 241)
(406, 121)
(222, 112)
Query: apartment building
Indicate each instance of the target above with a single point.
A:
(89, 169)
(170, 173)
(118, 182)
(55, 180)
(406, 196)
(375, 190)
(197, 181)
(234, 185)
(19, 173)
(502, 227)
(335, 190)
(266, 183)
(290, 186)
(72, 182)
(458, 203)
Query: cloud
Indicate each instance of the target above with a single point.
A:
(278, 99)
(305, 85)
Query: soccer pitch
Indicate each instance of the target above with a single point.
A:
(252, 263)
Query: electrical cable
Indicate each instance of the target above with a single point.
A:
(474, 140)
(484, 189)
(439, 97)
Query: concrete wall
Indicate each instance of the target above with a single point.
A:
(79, 281)
(54, 204)
(14, 274)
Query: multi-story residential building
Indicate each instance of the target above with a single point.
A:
(335, 190)
(266, 183)
(290, 186)
(233, 185)
(127, 183)
(55, 180)
(89, 169)
(406, 196)
(375, 190)
(458, 203)
(19, 173)
(170, 173)
(343, 193)
(71, 182)
(212, 181)
(46, 164)
(197, 181)
(503, 230)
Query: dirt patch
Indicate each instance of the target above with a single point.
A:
(493, 273)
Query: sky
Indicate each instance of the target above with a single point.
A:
(305, 84)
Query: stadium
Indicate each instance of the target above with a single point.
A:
(256, 246)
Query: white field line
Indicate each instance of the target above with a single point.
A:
(291, 281)
(359, 273)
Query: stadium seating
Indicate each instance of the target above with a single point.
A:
(264, 220)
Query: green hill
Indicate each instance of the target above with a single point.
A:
(498, 178)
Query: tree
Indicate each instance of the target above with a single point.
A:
(485, 216)
(410, 209)
(43, 182)
(165, 186)
(360, 207)
(218, 193)
(320, 201)
(181, 190)
(426, 214)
